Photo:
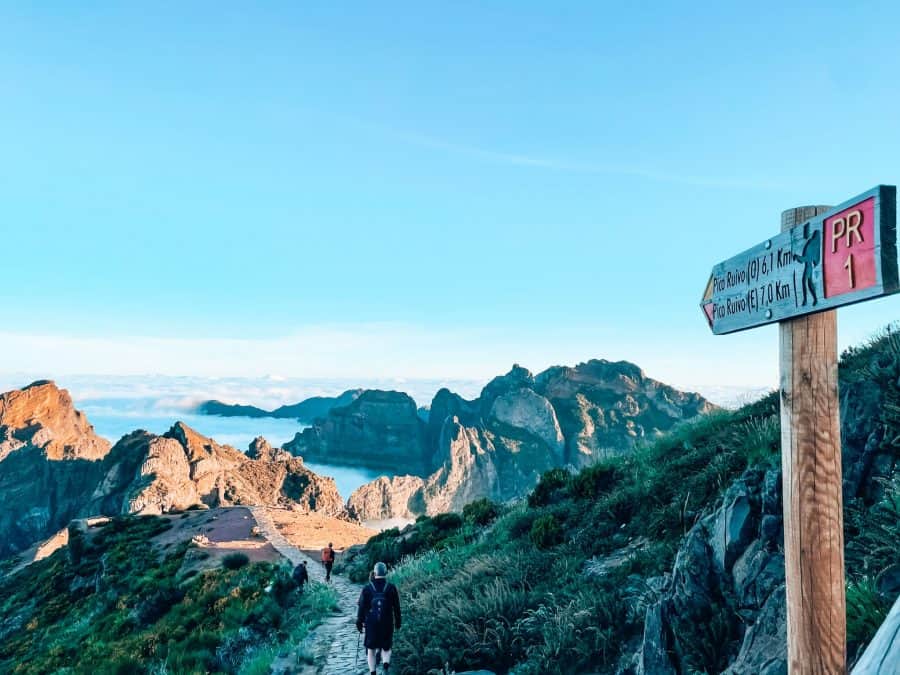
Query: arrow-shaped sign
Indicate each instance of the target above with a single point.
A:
(846, 255)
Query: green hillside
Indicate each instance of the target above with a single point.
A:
(562, 583)
(113, 601)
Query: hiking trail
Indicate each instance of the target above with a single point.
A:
(333, 643)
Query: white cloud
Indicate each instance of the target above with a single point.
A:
(352, 351)
(389, 352)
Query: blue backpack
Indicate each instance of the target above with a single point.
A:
(379, 612)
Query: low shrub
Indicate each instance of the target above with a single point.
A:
(481, 512)
(549, 487)
(519, 524)
(446, 521)
(235, 561)
(592, 481)
(546, 532)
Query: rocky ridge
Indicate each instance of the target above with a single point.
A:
(520, 426)
(54, 468)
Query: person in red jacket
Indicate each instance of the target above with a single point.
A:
(328, 560)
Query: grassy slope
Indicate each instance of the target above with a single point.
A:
(513, 593)
(112, 603)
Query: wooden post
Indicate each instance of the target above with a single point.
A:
(813, 509)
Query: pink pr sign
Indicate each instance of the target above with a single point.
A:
(849, 249)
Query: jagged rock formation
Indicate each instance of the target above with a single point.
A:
(735, 553)
(260, 448)
(54, 468)
(43, 417)
(383, 498)
(305, 411)
(183, 468)
(606, 407)
(379, 429)
(48, 454)
(522, 425)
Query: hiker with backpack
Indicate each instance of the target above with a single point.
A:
(328, 560)
(300, 576)
(379, 612)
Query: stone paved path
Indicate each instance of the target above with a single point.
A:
(333, 644)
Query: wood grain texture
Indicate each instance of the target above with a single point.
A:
(813, 509)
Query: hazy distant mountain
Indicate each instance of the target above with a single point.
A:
(305, 411)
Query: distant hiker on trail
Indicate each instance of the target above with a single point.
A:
(379, 612)
(328, 560)
(301, 576)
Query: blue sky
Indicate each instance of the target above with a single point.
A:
(419, 189)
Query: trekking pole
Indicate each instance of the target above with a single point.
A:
(356, 659)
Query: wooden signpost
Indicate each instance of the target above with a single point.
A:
(823, 258)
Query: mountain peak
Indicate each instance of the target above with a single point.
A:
(43, 416)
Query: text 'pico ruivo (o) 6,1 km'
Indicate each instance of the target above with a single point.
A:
(843, 256)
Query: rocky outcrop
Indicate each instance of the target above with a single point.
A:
(260, 448)
(605, 407)
(49, 453)
(384, 498)
(42, 416)
(305, 411)
(473, 469)
(522, 425)
(380, 430)
(444, 406)
(183, 468)
(867, 456)
(729, 571)
(54, 468)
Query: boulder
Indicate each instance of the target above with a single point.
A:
(734, 528)
(653, 657)
(725, 568)
(764, 648)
